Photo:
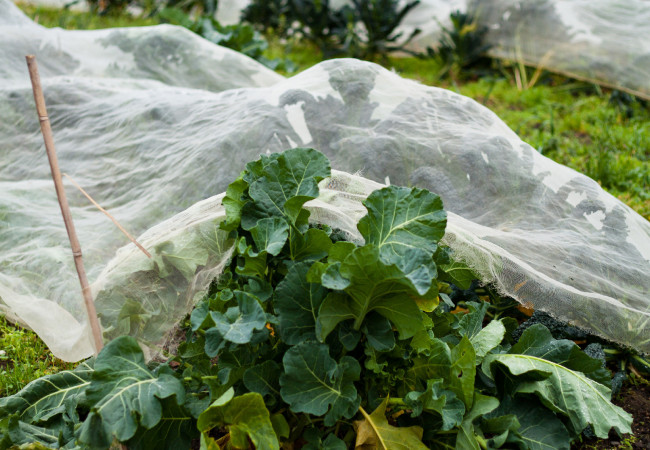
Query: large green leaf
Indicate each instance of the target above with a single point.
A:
(44, 398)
(124, 394)
(471, 323)
(296, 304)
(462, 372)
(231, 369)
(313, 382)
(270, 235)
(540, 428)
(310, 246)
(373, 285)
(233, 203)
(538, 341)
(456, 366)
(14, 433)
(564, 391)
(236, 325)
(283, 184)
(487, 339)
(482, 404)
(458, 273)
(379, 332)
(374, 432)
(405, 224)
(263, 378)
(186, 257)
(402, 218)
(175, 430)
(438, 400)
(245, 417)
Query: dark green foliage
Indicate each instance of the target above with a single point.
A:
(308, 342)
(269, 15)
(380, 19)
(242, 38)
(329, 28)
(362, 29)
(462, 47)
(559, 329)
(628, 105)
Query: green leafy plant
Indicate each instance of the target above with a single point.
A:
(242, 38)
(315, 342)
(461, 47)
(380, 19)
(363, 29)
(269, 15)
(329, 28)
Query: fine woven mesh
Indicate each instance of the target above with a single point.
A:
(149, 144)
(604, 41)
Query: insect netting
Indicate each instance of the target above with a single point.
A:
(603, 41)
(153, 122)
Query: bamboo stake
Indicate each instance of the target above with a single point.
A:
(117, 224)
(46, 129)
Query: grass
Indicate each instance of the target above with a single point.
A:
(23, 358)
(76, 20)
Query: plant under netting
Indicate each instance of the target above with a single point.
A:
(305, 331)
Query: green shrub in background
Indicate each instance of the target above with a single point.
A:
(461, 49)
(269, 16)
(241, 37)
(380, 19)
(363, 29)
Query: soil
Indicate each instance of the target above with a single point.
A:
(636, 401)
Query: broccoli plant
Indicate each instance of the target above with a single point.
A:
(380, 19)
(310, 341)
(461, 47)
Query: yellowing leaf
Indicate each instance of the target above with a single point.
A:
(374, 432)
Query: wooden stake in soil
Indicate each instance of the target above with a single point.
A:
(63, 201)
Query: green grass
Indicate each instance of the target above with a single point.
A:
(75, 20)
(23, 358)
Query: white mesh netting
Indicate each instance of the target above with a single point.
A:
(151, 121)
(604, 41)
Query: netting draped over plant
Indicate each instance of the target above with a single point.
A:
(604, 41)
(154, 142)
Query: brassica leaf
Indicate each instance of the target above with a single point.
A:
(125, 394)
(313, 382)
